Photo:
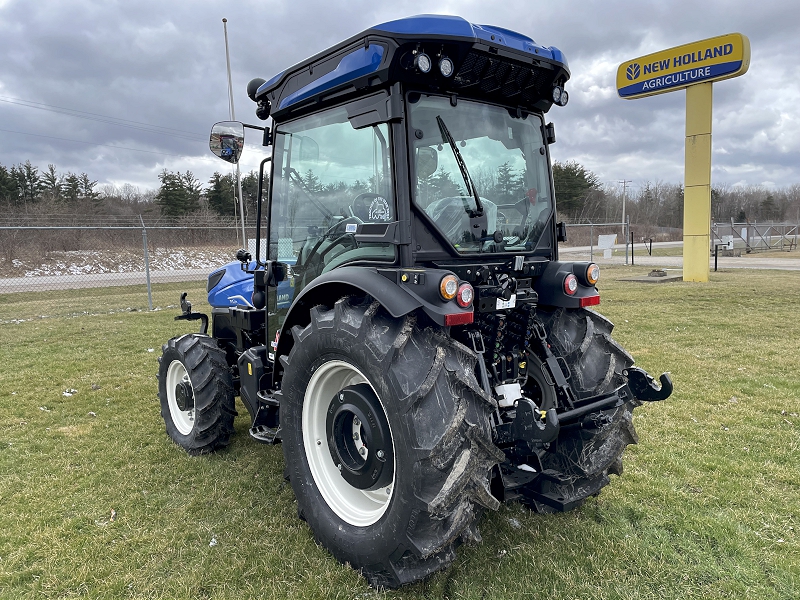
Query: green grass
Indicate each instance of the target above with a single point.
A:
(708, 506)
(96, 301)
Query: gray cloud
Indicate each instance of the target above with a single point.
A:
(163, 64)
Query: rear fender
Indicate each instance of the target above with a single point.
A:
(550, 286)
(399, 297)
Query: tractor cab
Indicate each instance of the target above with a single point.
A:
(418, 143)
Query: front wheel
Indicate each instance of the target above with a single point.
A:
(386, 440)
(196, 392)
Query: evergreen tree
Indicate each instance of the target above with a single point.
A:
(71, 188)
(444, 186)
(87, 188)
(509, 185)
(768, 207)
(172, 196)
(192, 189)
(311, 181)
(573, 184)
(250, 192)
(51, 183)
(28, 181)
(220, 194)
(9, 192)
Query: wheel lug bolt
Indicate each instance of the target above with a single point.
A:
(362, 451)
(319, 442)
(356, 422)
(339, 466)
(388, 491)
(355, 436)
(380, 454)
(341, 397)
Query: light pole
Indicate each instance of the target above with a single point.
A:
(624, 183)
(233, 118)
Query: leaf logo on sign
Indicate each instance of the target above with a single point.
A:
(633, 71)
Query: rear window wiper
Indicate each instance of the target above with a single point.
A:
(478, 212)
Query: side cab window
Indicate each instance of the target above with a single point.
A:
(329, 178)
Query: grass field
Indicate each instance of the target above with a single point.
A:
(96, 501)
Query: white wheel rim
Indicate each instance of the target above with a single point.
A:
(183, 419)
(357, 507)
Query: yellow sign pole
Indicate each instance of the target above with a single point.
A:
(697, 183)
(694, 67)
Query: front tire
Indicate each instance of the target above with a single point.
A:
(195, 388)
(357, 374)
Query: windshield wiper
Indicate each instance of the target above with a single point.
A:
(478, 212)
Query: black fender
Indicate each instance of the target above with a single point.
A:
(400, 291)
(550, 286)
(335, 284)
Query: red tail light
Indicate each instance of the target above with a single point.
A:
(570, 284)
(465, 295)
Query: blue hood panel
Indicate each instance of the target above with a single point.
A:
(235, 288)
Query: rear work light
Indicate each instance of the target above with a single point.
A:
(589, 301)
(423, 62)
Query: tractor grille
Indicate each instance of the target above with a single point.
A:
(503, 78)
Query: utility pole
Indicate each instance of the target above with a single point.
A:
(233, 118)
(624, 183)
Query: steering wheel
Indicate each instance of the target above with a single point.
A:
(360, 206)
(340, 236)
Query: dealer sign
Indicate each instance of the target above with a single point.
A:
(713, 59)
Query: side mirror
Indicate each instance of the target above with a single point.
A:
(279, 272)
(550, 133)
(561, 232)
(309, 150)
(227, 140)
(427, 162)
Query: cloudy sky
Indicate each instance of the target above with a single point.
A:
(122, 90)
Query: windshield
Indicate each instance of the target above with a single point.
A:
(480, 169)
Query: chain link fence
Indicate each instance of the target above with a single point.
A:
(55, 265)
(615, 243)
(51, 262)
(756, 237)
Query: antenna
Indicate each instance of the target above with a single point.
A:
(233, 118)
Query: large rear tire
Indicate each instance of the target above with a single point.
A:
(386, 439)
(196, 392)
(585, 453)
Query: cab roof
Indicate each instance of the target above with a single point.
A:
(490, 63)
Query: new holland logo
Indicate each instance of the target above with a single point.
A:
(633, 71)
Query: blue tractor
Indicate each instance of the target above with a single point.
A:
(406, 329)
